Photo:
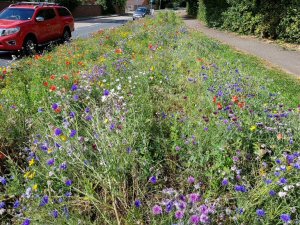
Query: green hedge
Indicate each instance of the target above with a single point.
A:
(276, 19)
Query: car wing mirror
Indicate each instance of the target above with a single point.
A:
(39, 19)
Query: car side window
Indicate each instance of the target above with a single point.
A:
(47, 14)
(63, 12)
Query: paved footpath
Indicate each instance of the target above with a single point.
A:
(287, 60)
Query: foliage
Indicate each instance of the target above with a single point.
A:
(70, 4)
(149, 123)
(270, 19)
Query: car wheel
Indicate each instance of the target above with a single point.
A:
(29, 46)
(66, 36)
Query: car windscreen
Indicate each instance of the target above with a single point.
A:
(16, 14)
(141, 10)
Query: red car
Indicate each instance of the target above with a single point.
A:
(25, 25)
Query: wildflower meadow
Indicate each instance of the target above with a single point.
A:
(149, 123)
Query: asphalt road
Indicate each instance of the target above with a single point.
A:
(83, 29)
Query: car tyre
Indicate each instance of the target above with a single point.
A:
(66, 36)
(29, 46)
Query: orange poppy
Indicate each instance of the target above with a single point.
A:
(58, 110)
(214, 99)
(219, 105)
(118, 51)
(235, 99)
(241, 105)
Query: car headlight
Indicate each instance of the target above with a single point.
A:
(9, 31)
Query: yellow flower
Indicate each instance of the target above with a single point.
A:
(63, 138)
(152, 68)
(101, 84)
(49, 151)
(26, 174)
(289, 168)
(31, 162)
(106, 120)
(35, 187)
(253, 128)
(262, 172)
(32, 175)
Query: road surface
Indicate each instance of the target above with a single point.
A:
(83, 29)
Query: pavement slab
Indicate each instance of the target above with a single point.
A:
(275, 55)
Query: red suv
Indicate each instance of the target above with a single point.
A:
(25, 25)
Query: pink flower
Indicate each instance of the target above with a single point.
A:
(157, 210)
(179, 215)
(194, 197)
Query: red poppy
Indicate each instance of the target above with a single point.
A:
(45, 84)
(53, 88)
(66, 77)
(58, 110)
(68, 63)
(52, 77)
(80, 63)
(1, 77)
(150, 46)
(4, 72)
(37, 57)
(2, 156)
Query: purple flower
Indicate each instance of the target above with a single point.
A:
(3, 180)
(51, 162)
(157, 210)
(44, 201)
(268, 181)
(278, 161)
(88, 118)
(195, 219)
(76, 97)
(87, 110)
(112, 127)
(177, 148)
(179, 215)
(26, 222)
(260, 213)
(285, 218)
(137, 203)
(55, 213)
(54, 106)
(68, 194)
(68, 182)
(225, 182)
(58, 132)
(106, 92)
(74, 87)
(240, 188)
(194, 197)
(191, 179)
(73, 133)
(204, 218)
(153, 179)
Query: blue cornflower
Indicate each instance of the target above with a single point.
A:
(285, 218)
(51, 162)
(278, 161)
(297, 166)
(68, 182)
(277, 173)
(58, 132)
(87, 110)
(88, 118)
(63, 166)
(282, 181)
(55, 213)
(106, 92)
(74, 87)
(260, 213)
(268, 181)
(240, 188)
(272, 193)
(112, 127)
(153, 179)
(72, 114)
(68, 194)
(26, 222)
(225, 182)
(73, 133)
(3, 180)
(44, 200)
(16, 204)
(2, 205)
(137, 203)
